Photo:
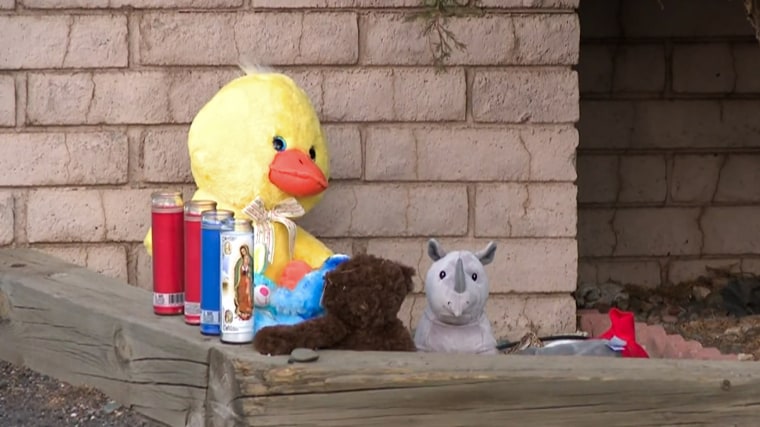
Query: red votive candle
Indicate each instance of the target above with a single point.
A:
(193, 210)
(168, 248)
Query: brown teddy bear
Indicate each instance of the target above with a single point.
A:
(361, 298)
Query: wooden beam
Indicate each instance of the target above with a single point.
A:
(84, 328)
(375, 389)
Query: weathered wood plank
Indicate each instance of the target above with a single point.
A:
(348, 388)
(85, 328)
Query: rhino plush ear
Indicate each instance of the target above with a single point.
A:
(487, 255)
(435, 251)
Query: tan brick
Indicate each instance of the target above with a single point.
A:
(7, 4)
(598, 178)
(345, 145)
(467, 154)
(705, 68)
(436, 210)
(667, 19)
(726, 230)
(76, 255)
(339, 246)
(83, 98)
(738, 124)
(506, 4)
(746, 60)
(127, 214)
(586, 271)
(401, 94)
(595, 234)
(64, 41)
(139, 97)
(552, 152)
(165, 155)
(514, 315)
(390, 38)
(600, 19)
(695, 177)
(122, 98)
(639, 68)
(680, 271)
(139, 4)
(547, 39)
(227, 38)
(391, 153)
(643, 178)
(687, 123)
(521, 265)
(446, 153)
(109, 260)
(669, 124)
(411, 252)
(77, 158)
(637, 272)
(750, 265)
(525, 210)
(657, 231)
(143, 267)
(595, 67)
(191, 90)
(7, 218)
(65, 215)
(738, 179)
(389, 210)
(606, 124)
(470, 153)
(7, 101)
(517, 96)
(59, 98)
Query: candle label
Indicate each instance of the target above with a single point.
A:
(168, 300)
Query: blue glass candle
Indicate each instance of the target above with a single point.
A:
(212, 225)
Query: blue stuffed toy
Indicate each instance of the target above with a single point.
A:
(275, 305)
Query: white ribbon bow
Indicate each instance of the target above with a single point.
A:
(264, 219)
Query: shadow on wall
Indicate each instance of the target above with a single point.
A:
(669, 153)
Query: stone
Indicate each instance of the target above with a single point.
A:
(520, 96)
(79, 158)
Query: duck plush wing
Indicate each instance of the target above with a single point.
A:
(310, 250)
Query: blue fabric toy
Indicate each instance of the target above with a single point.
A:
(275, 305)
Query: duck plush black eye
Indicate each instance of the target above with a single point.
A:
(278, 143)
(442, 274)
(475, 276)
(313, 153)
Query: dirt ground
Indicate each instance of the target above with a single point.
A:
(29, 399)
(720, 310)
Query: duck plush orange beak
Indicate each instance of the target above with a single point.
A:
(293, 172)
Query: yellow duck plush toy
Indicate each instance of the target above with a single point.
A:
(258, 149)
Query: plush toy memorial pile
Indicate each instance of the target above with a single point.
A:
(259, 158)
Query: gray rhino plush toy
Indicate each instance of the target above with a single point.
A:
(456, 290)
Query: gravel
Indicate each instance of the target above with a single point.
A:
(30, 399)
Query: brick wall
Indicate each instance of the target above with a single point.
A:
(96, 97)
(669, 159)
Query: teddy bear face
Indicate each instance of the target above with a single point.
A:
(367, 291)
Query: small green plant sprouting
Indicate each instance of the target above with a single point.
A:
(436, 14)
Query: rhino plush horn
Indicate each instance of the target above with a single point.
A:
(459, 281)
(435, 251)
(486, 255)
